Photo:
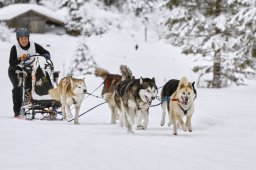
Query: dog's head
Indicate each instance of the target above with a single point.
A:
(185, 92)
(78, 86)
(148, 90)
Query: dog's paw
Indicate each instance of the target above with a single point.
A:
(141, 127)
(175, 132)
(76, 122)
(113, 122)
(190, 129)
(184, 128)
(162, 123)
(144, 126)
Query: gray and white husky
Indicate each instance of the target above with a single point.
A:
(133, 98)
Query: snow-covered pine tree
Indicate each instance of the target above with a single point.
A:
(74, 24)
(143, 12)
(52, 4)
(245, 25)
(84, 63)
(139, 7)
(203, 28)
(87, 17)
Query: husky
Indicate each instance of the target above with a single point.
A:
(110, 83)
(70, 91)
(168, 89)
(182, 104)
(133, 97)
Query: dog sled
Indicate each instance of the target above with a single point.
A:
(39, 70)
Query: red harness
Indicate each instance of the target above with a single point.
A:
(111, 80)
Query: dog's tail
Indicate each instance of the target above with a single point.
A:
(126, 72)
(100, 72)
(54, 94)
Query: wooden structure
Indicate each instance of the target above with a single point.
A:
(34, 17)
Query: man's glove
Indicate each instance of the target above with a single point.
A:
(47, 56)
(23, 57)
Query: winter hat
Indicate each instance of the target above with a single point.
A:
(22, 32)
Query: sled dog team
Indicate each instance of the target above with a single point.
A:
(129, 99)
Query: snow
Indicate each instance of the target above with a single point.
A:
(11, 11)
(224, 131)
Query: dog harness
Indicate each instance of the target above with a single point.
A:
(111, 79)
(185, 111)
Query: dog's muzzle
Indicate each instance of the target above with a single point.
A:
(149, 100)
(184, 101)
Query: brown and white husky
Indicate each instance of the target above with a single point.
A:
(70, 91)
(182, 105)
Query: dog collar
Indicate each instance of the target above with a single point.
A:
(175, 100)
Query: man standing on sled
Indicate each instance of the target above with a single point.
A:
(19, 53)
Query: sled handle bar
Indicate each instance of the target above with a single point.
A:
(46, 56)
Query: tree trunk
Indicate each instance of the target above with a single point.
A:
(216, 82)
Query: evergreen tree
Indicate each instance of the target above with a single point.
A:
(203, 28)
(74, 24)
(83, 18)
(84, 63)
(139, 7)
(244, 24)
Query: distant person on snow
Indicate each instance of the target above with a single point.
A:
(136, 47)
(19, 52)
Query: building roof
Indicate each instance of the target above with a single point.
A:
(12, 11)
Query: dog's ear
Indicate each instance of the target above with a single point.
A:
(189, 85)
(71, 82)
(182, 85)
(193, 84)
(141, 80)
(153, 79)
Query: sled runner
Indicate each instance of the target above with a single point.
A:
(39, 70)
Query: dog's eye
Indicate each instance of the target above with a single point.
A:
(183, 93)
(148, 91)
(188, 93)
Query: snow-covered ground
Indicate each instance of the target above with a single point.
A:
(224, 131)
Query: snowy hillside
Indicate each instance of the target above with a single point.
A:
(223, 137)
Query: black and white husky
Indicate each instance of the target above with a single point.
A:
(133, 98)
